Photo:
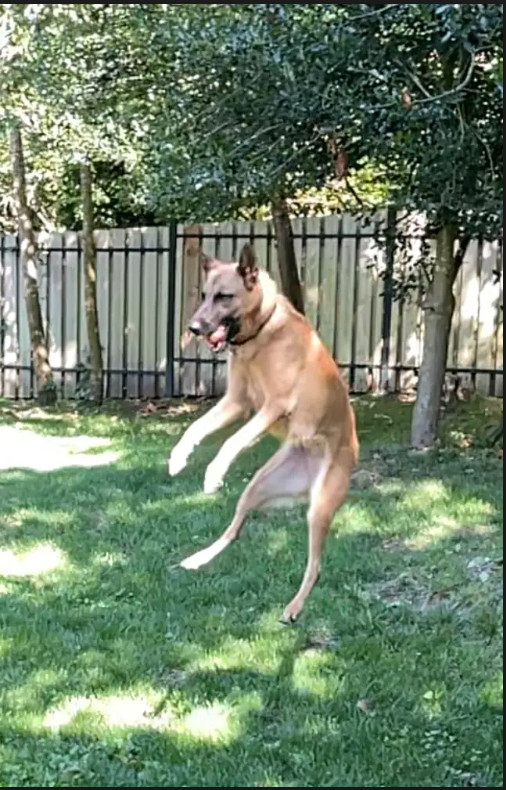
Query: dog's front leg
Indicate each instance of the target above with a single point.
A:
(225, 412)
(229, 451)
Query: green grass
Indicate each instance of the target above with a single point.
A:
(116, 671)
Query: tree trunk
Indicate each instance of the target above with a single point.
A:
(287, 261)
(90, 286)
(46, 391)
(439, 306)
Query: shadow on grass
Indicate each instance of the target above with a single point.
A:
(391, 678)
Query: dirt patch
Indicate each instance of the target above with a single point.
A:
(406, 591)
(167, 408)
(364, 478)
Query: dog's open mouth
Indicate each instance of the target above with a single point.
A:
(217, 340)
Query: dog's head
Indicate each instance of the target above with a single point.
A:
(231, 294)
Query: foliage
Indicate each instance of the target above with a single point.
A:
(95, 79)
(260, 92)
(208, 111)
(57, 67)
(431, 116)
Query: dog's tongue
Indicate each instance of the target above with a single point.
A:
(217, 337)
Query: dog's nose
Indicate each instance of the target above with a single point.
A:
(195, 328)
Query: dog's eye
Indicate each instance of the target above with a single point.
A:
(223, 297)
(203, 295)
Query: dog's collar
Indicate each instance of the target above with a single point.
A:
(236, 343)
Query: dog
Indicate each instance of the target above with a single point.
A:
(279, 369)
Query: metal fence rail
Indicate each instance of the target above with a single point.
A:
(149, 283)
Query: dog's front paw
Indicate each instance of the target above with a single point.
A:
(194, 562)
(178, 459)
(213, 479)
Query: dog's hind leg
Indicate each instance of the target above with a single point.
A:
(289, 474)
(327, 495)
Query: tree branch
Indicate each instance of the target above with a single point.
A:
(376, 12)
(445, 94)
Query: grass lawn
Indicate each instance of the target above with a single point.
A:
(118, 671)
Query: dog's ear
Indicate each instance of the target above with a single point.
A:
(206, 262)
(247, 267)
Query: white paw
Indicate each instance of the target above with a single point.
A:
(213, 479)
(194, 562)
(178, 460)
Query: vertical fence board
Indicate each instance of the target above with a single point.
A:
(2, 322)
(70, 313)
(299, 245)
(328, 274)
(162, 316)
(261, 242)
(490, 294)
(469, 310)
(118, 318)
(10, 313)
(312, 271)
(191, 287)
(211, 245)
(377, 286)
(104, 299)
(147, 302)
(133, 334)
(364, 315)
(345, 306)
(25, 378)
(497, 341)
(453, 342)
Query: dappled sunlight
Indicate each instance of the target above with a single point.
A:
(215, 722)
(219, 722)
(442, 528)
(37, 561)
(113, 711)
(23, 449)
(262, 655)
(158, 507)
(277, 541)
(353, 517)
(426, 492)
(432, 702)
(314, 674)
(210, 723)
(412, 348)
(492, 692)
(49, 518)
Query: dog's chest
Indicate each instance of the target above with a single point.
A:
(256, 390)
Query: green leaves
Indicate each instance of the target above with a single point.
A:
(206, 112)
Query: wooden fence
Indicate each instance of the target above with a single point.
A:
(149, 283)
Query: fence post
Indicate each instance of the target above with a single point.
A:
(2, 324)
(386, 324)
(171, 310)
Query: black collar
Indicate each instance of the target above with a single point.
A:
(252, 337)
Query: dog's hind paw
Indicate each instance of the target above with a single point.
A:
(202, 557)
(291, 613)
(192, 563)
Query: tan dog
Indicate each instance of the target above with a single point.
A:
(279, 368)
